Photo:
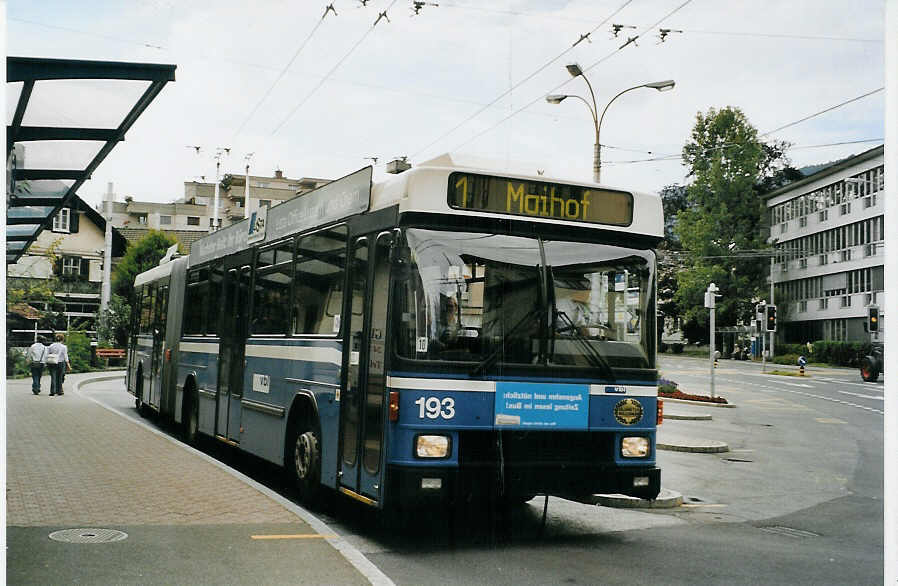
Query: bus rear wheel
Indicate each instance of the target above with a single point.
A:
(303, 462)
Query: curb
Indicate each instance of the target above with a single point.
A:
(667, 499)
(98, 379)
(683, 416)
(702, 403)
(697, 446)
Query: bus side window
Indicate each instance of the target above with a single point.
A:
(319, 269)
(146, 309)
(195, 305)
(216, 276)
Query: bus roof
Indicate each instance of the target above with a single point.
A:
(425, 188)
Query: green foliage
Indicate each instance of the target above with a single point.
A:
(17, 364)
(790, 359)
(842, 353)
(78, 345)
(721, 224)
(113, 324)
(141, 256)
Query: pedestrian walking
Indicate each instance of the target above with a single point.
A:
(58, 364)
(37, 357)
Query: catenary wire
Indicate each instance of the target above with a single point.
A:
(329, 73)
(595, 64)
(282, 73)
(524, 80)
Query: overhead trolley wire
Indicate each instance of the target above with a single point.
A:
(283, 71)
(823, 111)
(783, 36)
(333, 69)
(524, 80)
(595, 64)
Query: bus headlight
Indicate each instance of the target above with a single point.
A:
(634, 447)
(432, 446)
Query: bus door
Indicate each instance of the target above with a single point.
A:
(232, 348)
(362, 403)
(154, 388)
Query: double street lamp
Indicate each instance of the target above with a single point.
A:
(576, 71)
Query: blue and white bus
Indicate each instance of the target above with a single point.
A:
(447, 333)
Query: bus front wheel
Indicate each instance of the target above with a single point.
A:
(303, 460)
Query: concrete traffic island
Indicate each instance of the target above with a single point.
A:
(667, 499)
(687, 416)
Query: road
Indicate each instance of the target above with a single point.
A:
(797, 499)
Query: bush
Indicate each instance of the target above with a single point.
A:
(841, 353)
(799, 349)
(79, 350)
(16, 363)
(791, 359)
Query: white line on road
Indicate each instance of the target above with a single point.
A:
(830, 399)
(863, 396)
(797, 385)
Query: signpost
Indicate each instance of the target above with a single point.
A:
(711, 303)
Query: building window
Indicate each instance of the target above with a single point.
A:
(846, 301)
(264, 203)
(62, 220)
(164, 220)
(783, 227)
(193, 220)
(845, 208)
(869, 250)
(71, 265)
(823, 215)
(802, 221)
(824, 259)
(870, 201)
(142, 219)
(802, 306)
(803, 263)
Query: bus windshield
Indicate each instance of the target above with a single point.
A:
(493, 300)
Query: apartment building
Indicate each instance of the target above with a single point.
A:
(190, 218)
(828, 231)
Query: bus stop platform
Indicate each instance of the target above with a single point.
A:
(94, 497)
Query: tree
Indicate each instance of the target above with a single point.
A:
(673, 201)
(112, 327)
(141, 256)
(722, 227)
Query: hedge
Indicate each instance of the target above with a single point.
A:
(836, 353)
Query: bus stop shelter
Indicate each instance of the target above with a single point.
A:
(64, 117)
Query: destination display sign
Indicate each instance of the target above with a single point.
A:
(540, 199)
(329, 203)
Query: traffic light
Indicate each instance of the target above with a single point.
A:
(873, 318)
(771, 318)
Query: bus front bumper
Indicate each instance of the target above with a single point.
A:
(419, 486)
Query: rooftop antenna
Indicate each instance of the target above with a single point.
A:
(247, 158)
(664, 32)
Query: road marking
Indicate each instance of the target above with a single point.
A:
(692, 506)
(863, 396)
(797, 385)
(764, 389)
(832, 420)
(299, 536)
(845, 382)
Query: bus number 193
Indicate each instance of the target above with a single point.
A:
(433, 407)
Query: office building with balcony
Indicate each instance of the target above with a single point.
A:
(828, 231)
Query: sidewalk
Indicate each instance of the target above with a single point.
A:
(72, 464)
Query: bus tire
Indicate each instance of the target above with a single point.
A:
(302, 459)
(869, 371)
(191, 415)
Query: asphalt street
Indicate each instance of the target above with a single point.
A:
(797, 498)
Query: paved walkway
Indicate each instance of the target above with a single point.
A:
(74, 464)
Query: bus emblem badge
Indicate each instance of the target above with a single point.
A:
(628, 411)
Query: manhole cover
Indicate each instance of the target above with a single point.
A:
(88, 535)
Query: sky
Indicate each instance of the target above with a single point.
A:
(316, 92)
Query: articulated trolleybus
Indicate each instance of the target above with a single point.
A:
(447, 334)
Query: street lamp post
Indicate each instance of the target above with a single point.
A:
(575, 70)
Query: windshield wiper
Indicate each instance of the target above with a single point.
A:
(594, 357)
(493, 356)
